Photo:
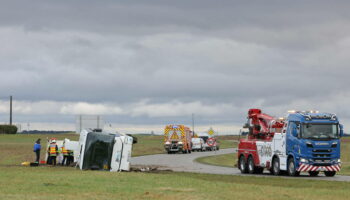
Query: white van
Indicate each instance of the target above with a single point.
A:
(198, 144)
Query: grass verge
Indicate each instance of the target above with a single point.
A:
(69, 183)
(224, 160)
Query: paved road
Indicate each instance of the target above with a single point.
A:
(186, 163)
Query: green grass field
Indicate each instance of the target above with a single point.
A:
(20, 146)
(345, 156)
(68, 183)
(225, 160)
(19, 182)
(228, 141)
(15, 149)
(147, 145)
(154, 144)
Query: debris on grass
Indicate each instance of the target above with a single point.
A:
(149, 168)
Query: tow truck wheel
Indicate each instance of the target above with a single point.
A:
(313, 173)
(242, 165)
(251, 166)
(291, 168)
(276, 166)
(330, 173)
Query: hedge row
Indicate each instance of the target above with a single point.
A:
(8, 129)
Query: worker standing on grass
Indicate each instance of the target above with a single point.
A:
(37, 148)
(53, 150)
(70, 157)
(65, 156)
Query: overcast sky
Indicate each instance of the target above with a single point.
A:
(149, 63)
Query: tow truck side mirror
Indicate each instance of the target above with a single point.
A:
(341, 131)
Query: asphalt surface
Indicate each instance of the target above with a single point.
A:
(186, 163)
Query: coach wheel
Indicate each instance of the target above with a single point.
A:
(251, 166)
(331, 173)
(291, 168)
(276, 166)
(242, 165)
(313, 173)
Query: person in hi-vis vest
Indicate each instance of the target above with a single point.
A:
(52, 152)
(64, 152)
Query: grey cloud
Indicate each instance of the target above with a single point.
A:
(270, 54)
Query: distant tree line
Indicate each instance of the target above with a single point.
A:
(45, 132)
(8, 129)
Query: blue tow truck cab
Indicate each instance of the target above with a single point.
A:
(312, 143)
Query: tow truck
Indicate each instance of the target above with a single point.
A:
(303, 141)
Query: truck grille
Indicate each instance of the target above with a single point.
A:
(321, 153)
(322, 157)
(322, 162)
(322, 150)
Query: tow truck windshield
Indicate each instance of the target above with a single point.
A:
(319, 131)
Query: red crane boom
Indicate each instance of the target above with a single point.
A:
(261, 125)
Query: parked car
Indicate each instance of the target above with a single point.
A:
(210, 143)
(198, 144)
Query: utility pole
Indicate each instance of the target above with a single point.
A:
(80, 118)
(10, 110)
(98, 121)
(193, 123)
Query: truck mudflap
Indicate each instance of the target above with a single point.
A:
(308, 168)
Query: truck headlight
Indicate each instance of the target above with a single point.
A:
(167, 143)
(180, 143)
(309, 144)
(334, 144)
(339, 161)
(303, 160)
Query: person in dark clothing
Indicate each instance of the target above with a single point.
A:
(37, 148)
(70, 157)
